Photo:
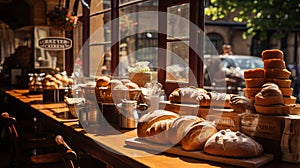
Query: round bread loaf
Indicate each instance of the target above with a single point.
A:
(269, 95)
(277, 73)
(197, 135)
(102, 81)
(120, 87)
(273, 53)
(232, 144)
(154, 125)
(178, 127)
(274, 63)
(186, 95)
(241, 104)
(254, 82)
(254, 73)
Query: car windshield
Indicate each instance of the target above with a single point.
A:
(249, 63)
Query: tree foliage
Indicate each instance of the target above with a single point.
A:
(277, 16)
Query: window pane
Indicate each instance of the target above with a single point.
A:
(138, 35)
(177, 61)
(100, 44)
(97, 5)
(178, 21)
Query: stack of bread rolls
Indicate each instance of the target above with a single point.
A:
(270, 88)
(195, 133)
(276, 72)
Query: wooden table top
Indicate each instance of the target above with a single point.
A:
(106, 142)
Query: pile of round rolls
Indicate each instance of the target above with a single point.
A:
(56, 81)
(195, 133)
(123, 84)
(270, 88)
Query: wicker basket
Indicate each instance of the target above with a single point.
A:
(106, 95)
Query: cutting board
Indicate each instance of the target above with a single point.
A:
(242, 162)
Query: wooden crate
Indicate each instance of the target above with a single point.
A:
(278, 135)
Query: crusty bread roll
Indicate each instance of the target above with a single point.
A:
(102, 81)
(197, 134)
(178, 127)
(277, 73)
(269, 95)
(282, 83)
(254, 82)
(272, 53)
(274, 63)
(214, 99)
(154, 125)
(254, 73)
(232, 144)
(120, 87)
(186, 95)
(241, 104)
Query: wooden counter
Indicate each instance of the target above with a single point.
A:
(104, 141)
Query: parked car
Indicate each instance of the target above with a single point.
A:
(233, 66)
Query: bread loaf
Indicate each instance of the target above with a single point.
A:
(186, 95)
(274, 63)
(254, 73)
(232, 144)
(241, 104)
(254, 82)
(214, 99)
(282, 83)
(197, 135)
(277, 73)
(269, 95)
(251, 92)
(154, 125)
(179, 125)
(272, 53)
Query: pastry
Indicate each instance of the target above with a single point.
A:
(232, 144)
(131, 85)
(282, 83)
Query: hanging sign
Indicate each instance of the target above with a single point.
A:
(55, 43)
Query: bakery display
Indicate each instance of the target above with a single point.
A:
(56, 81)
(102, 81)
(232, 144)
